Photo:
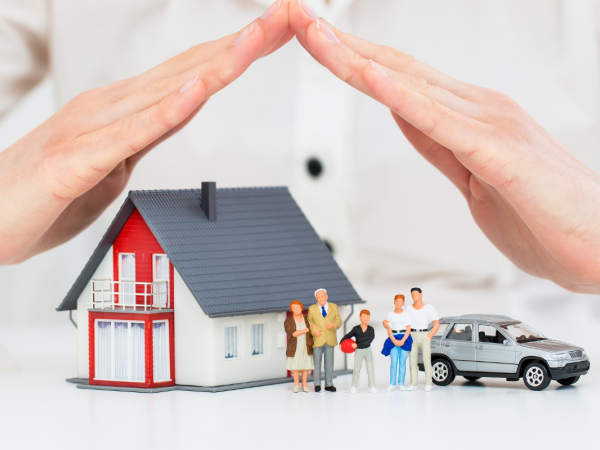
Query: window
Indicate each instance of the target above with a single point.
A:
(160, 344)
(257, 337)
(127, 276)
(461, 332)
(441, 330)
(523, 333)
(120, 351)
(490, 334)
(161, 273)
(231, 342)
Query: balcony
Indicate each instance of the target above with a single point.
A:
(130, 296)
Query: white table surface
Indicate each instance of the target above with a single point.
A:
(38, 409)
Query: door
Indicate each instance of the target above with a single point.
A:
(492, 355)
(459, 346)
(161, 275)
(127, 277)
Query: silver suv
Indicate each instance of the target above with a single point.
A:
(475, 346)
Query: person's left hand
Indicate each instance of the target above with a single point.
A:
(329, 325)
(535, 201)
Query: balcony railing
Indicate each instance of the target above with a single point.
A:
(130, 296)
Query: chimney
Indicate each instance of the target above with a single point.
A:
(208, 200)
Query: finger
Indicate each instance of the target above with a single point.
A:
(303, 16)
(133, 160)
(104, 149)
(215, 75)
(436, 154)
(470, 140)
(287, 37)
(347, 65)
(274, 22)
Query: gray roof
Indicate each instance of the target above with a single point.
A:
(480, 318)
(258, 255)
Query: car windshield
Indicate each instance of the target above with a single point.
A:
(523, 333)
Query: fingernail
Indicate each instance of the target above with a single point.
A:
(327, 32)
(378, 68)
(271, 10)
(243, 35)
(308, 10)
(187, 86)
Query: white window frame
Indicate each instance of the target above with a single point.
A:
(265, 340)
(127, 280)
(154, 279)
(166, 321)
(238, 343)
(112, 350)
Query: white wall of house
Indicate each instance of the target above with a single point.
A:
(194, 342)
(84, 302)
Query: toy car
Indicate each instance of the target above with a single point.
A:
(476, 346)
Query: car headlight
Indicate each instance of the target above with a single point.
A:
(583, 353)
(563, 355)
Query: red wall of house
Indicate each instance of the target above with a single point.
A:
(136, 237)
(147, 319)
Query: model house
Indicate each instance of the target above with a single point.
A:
(190, 288)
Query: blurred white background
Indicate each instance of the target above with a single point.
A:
(391, 218)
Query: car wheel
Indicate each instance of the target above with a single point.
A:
(472, 378)
(443, 374)
(536, 377)
(568, 381)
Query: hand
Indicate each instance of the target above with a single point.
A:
(58, 179)
(401, 343)
(354, 346)
(429, 336)
(329, 325)
(386, 324)
(316, 332)
(535, 201)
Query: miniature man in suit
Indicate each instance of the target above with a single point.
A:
(325, 320)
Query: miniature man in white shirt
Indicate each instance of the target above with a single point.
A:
(421, 316)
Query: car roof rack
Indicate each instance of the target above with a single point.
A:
(485, 316)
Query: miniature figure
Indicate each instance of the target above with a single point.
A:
(398, 344)
(299, 345)
(325, 319)
(421, 316)
(364, 334)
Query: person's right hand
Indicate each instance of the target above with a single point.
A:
(58, 179)
(386, 324)
(534, 200)
(316, 332)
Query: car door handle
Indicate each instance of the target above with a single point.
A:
(480, 347)
(446, 344)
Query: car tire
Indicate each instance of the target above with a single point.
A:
(471, 378)
(568, 381)
(443, 374)
(536, 377)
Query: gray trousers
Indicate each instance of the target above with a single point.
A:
(363, 353)
(318, 352)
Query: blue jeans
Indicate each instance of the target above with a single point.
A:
(397, 355)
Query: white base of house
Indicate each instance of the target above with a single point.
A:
(82, 383)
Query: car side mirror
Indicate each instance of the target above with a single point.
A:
(506, 342)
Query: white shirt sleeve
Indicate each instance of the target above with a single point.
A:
(23, 48)
(433, 313)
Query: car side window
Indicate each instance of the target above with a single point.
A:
(490, 335)
(461, 332)
(441, 330)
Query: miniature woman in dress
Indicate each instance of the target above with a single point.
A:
(399, 342)
(299, 346)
